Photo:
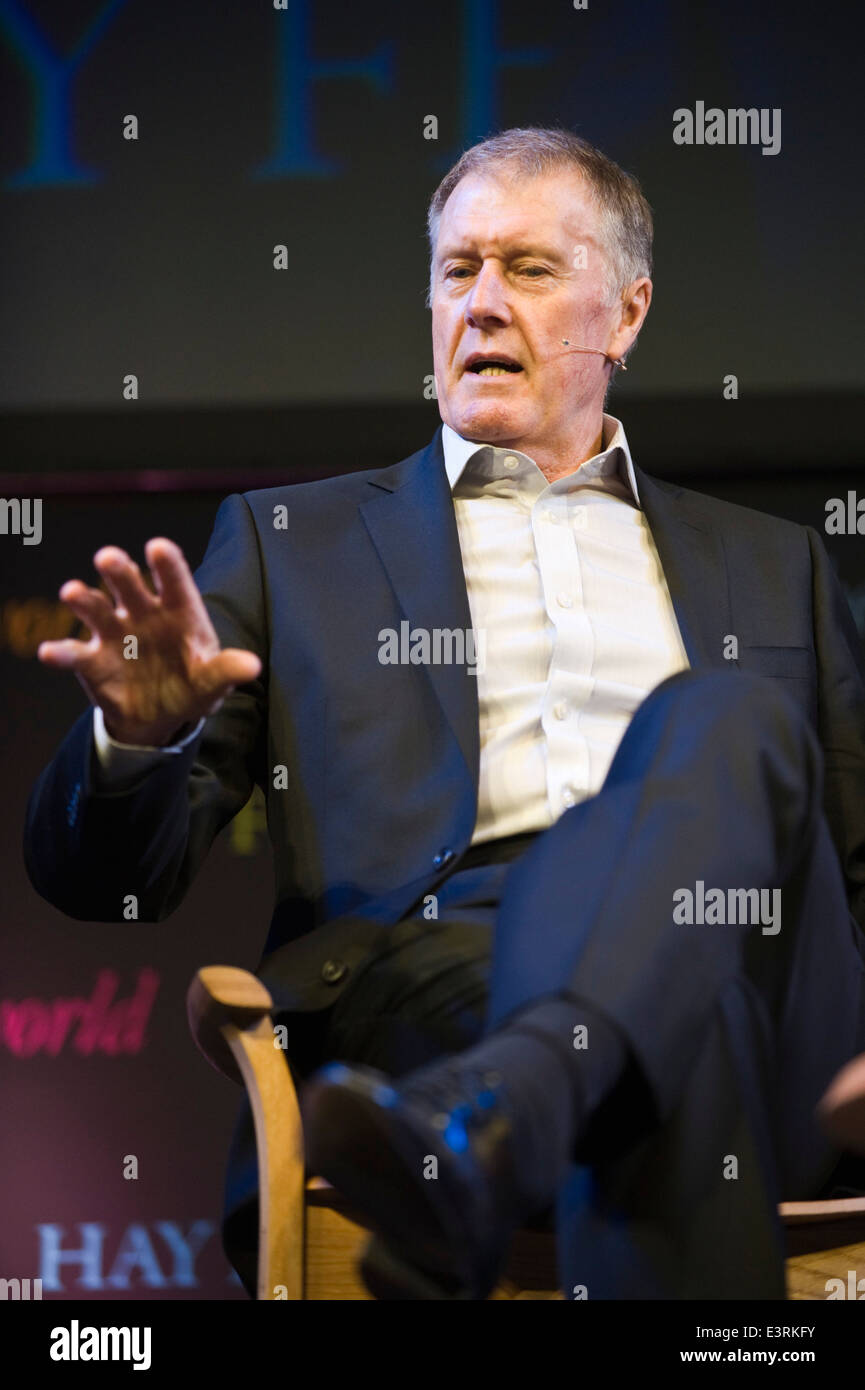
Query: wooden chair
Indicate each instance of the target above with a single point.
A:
(310, 1240)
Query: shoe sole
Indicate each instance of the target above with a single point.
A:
(375, 1158)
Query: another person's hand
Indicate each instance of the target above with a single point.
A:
(178, 673)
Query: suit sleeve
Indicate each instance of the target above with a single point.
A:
(841, 711)
(117, 766)
(88, 848)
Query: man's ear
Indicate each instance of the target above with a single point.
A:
(634, 304)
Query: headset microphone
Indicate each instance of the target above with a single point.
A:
(616, 361)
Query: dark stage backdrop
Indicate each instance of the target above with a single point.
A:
(325, 127)
(305, 125)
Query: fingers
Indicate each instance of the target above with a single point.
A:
(93, 608)
(123, 578)
(171, 574)
(227, 669)
(66, 655)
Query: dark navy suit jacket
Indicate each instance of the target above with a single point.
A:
(381, 761)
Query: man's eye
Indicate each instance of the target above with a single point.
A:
(534, 271)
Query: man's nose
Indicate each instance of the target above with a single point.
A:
(488, 298)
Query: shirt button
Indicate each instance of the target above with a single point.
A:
(560, 709)
(564, 600)
(552, 518)
(333, 970)
(581, 521)
(569, 797)
(511, 463)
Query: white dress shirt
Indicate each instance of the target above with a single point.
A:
(565, 582)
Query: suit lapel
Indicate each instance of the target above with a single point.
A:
(410, 518)
(692, 556)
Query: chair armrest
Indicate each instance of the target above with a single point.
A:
(219, 995)
(229, 1017)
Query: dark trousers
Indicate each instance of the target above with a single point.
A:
(735, 1028)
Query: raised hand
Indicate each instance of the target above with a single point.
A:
(178, 672)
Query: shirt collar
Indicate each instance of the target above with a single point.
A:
(614, 459)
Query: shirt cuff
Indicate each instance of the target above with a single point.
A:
(118, 766)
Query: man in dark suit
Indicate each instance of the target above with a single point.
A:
(565, 782)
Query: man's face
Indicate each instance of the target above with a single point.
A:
(519, 266)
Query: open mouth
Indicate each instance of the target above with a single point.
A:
(494, 368)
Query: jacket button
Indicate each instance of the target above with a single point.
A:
(443, 857)
(333, 970)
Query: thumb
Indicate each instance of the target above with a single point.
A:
(230, 667)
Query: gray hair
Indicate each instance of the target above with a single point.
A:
(625, 215)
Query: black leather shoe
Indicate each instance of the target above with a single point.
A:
(429, 1164)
